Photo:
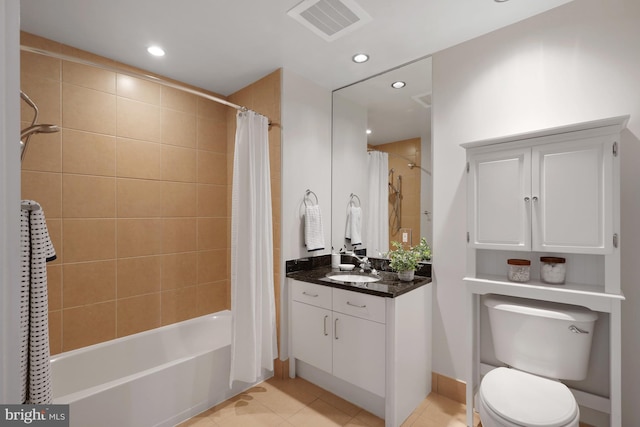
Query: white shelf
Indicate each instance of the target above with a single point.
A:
(590, 296)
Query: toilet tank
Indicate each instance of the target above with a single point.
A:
(544, 338)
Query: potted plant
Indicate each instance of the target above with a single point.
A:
(403, 261)
(424, 250)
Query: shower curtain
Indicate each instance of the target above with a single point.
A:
(36, 250)
(378, 203)
(253, 336)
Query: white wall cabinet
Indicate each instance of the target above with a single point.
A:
(371, 350)
(551, 192)
(543, 195)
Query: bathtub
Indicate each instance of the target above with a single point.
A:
(154, 378)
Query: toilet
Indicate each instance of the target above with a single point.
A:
(541, 342)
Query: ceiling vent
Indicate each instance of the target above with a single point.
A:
(330, 19)
(423, 99)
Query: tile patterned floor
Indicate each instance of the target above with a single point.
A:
(298, 403)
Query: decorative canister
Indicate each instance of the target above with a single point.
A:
(519, 270)
(553, 270)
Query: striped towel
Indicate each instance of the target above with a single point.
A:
(313, 232)
(36, 250)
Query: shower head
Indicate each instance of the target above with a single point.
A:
(29, 131)
(43, 128)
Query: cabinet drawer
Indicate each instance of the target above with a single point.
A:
(310, 293)
(365, 306)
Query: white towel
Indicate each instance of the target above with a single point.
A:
(354, 225)
(313, 232)
(36, 250)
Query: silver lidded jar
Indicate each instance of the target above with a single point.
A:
(519, 270)
(553, 270)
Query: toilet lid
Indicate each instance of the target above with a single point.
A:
(528, 400)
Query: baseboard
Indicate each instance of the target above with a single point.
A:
(449, 387)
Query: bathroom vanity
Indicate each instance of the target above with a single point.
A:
(367, 342)
(553, 192)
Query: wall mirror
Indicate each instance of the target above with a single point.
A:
(374, 121)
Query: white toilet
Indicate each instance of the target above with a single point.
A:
(541, 342)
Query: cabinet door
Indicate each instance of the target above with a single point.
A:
(359, 352)
(572, 193)
(499, 185)
(312, 335)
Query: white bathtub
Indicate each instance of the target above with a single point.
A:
(155, 378)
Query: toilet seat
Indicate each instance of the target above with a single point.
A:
(516, 398)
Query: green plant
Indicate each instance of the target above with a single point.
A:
(403, 259)
(424, 250)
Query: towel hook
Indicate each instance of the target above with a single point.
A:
(307, 195)
(354, 196)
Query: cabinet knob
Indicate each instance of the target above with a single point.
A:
(526, 199)
(534, 198)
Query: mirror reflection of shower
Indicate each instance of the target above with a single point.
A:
(395, 202)
(400, 125)
(26, 133)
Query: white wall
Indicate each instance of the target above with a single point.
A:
(576, 63)
(9, 201)
(306, 164)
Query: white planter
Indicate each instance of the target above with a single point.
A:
(406, 276)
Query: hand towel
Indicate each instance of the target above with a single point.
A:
(36, 250)
(354, 225)
(313, 232)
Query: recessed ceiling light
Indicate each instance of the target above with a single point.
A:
(398, 85)
(360, 58)
(155, 50)
(368, 131)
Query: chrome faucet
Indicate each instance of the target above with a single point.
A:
(363, 262)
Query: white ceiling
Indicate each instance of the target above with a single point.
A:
(224, 45)
(394, 114)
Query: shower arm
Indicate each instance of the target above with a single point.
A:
(25, 143)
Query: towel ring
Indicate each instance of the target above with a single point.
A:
(354, 196)
(307, 195)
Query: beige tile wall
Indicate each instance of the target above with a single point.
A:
(136, 193)
(410, 218)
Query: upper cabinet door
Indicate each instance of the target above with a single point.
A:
(572, 193)
(499, 188)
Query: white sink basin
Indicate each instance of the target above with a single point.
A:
(353, 278)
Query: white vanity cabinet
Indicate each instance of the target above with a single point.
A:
(371, 350)
(348, 341)
(543, 194)
(553, 192)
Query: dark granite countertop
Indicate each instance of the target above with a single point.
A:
(388, 286)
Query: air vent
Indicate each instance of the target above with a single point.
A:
(423, 99)
(330, 19)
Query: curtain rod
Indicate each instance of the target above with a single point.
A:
(146, 77)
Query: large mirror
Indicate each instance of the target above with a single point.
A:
(381, 160)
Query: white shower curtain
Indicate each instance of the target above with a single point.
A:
(378, 203)
(253, 336)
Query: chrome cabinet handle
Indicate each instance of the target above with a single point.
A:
(526, 199)
(309, 295)
(534, 198)
(325, 325)
(356, 305)
(335, 329)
